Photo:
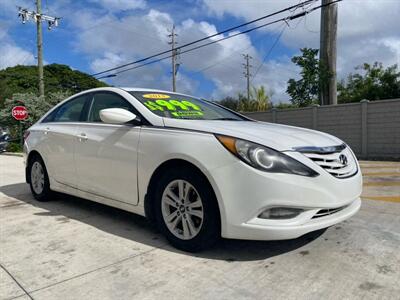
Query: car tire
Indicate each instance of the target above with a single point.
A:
(197, 225)
(39, 179)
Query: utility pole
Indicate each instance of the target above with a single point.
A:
(38, 17)
(246, 73)
(327, 52)
(175, 65)
(39, 45)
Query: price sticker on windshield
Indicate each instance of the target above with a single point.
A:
(172, 105)
(188, 114)
(156, 96)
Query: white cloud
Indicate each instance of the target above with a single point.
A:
(221, 63)
(108, 61)
(368, 30)
(362, 37)
(133, 35)
(112, 41)
(121, 5)
(153, 77)
(10, 6)
(12, 55)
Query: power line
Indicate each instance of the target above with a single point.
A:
(216, 63)
(301, 14)
(270, 51)
(278, 37)
(223, 59)
(200, 46)
(208, 37)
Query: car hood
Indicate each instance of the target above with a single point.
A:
(276, 136)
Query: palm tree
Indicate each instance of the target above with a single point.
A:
(260, 97)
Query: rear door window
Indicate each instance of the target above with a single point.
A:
(71, 111)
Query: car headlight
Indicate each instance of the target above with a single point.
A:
(264, 158)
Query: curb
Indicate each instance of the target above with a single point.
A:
(12, 154)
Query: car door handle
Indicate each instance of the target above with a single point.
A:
(82, 137)
(46, 130)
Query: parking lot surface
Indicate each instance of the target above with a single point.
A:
(71, 248)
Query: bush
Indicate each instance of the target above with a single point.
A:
(37, 107)
(14, 147)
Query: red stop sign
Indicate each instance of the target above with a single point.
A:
(19, 113)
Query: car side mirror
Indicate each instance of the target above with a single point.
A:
(116, 116)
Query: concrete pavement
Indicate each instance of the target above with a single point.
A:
(76, 249)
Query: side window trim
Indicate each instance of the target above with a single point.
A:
(54, 112)
(87, 107)
(143, 120)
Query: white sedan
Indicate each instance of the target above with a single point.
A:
(198, 170)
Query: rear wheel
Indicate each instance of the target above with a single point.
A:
(186, 210)
(39, 180)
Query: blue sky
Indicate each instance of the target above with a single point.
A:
(95, 35)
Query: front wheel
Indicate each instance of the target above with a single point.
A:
(187, 210)
(39, 180)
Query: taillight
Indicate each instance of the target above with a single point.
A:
(26, 134)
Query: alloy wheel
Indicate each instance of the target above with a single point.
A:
(182, 209)
(37, 177)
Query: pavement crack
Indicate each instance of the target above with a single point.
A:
(16, 281)
(12, 205)
(97, 269)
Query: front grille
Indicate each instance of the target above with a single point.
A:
(327, 212)
(337, 160)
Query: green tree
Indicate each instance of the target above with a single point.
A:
(246, 104)
(374, 83)
(229, 102)
(282, 105)
(259, 95)
(58, 78)
(305, 91)
(259, 101)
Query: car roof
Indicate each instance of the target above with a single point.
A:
(132, 89)
(136, 89)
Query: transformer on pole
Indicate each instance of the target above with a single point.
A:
(38, 18)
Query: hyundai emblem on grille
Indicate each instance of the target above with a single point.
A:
(343, 159)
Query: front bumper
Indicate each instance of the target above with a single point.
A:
(244, 193)
(259, 231)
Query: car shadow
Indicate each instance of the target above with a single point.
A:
(137, 228)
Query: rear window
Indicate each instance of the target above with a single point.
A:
(178, 106)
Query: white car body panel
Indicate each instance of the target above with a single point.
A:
(106, 162)
(56, 143)
(276, 136)
(115, 163)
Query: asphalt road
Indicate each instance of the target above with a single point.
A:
(76, 249)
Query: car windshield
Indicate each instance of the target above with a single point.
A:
(177, 106)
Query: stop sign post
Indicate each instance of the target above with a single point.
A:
(19, 113)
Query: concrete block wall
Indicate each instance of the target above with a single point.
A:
(383, 129)
(371, 128)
